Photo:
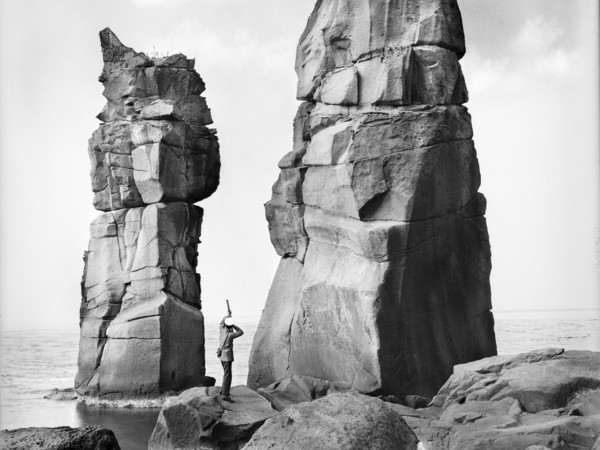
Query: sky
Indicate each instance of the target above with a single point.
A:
(532, 72)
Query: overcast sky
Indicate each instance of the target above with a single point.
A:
(532, 72)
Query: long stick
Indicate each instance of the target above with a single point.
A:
(228, 308)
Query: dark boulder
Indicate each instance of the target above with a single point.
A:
(59, 438)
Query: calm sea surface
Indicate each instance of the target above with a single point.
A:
(32, 363)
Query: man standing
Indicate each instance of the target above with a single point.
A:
(228, 331)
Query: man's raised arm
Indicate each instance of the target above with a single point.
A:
(238, 332)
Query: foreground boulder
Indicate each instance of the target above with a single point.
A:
(199, 419)
(60, 438)
(383, 283)
(548, 398)
(339, 421)
(142, 329)
(297, 389)
(540, 380)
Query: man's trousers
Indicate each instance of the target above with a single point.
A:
(226, 378)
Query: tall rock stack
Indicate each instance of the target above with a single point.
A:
(142, 329)
(384, 278)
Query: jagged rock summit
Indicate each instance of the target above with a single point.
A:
(152, 157)
(154, 145)
(384, 279)
(547, 398)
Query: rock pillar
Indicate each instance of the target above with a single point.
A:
(142, 329)
(384, 278)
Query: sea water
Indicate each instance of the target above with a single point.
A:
(32, 363)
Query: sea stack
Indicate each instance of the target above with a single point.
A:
(152, 158)
(383, 282)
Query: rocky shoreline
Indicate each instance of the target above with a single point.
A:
(547, 398)
(379, 314)
(544, 399)
(63, 438)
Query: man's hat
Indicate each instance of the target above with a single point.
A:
(229, 321)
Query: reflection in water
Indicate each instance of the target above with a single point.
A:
(132, 427)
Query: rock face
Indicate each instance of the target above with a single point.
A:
(540, 380)
(384, 279)
(61, 394)
(349, 421)
(199, 419)
(547, 398)
(153, 145)
(296, 389)
(142, 330)
(63, 438)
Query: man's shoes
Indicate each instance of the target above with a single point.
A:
(227, 398)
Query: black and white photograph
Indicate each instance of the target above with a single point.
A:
(300, 224)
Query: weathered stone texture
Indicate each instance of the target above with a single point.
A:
(350, 421)
(63, 438)
(154, 145)
(142, 329)
(542, 399)
(199, 419)
(140, 314)
(384, 279)
(386, 33)
(296, 389)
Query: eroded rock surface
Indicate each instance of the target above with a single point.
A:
(297, 389)
(153, 145)
(349, 421)
(198, 418)
(543, 399)
(63, 438)
(383, 283)
(142, 329)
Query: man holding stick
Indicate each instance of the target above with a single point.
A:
(228, 331)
